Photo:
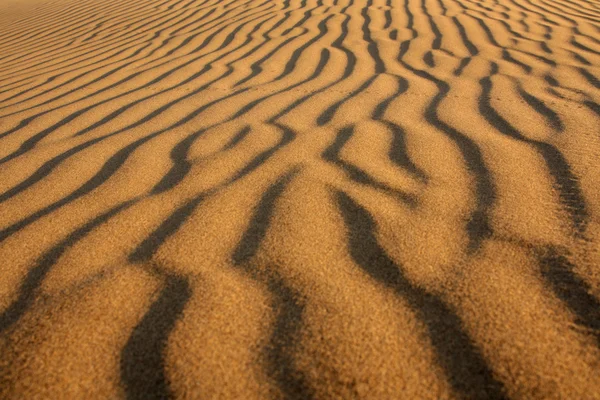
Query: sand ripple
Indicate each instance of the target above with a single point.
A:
(247, 199)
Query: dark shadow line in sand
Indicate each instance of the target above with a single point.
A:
(372, 48)
(380, 109)
(32, 141)
(574, 292)
(257, 228)
(237, 138)
(237, 20)
(288, 310)
(323, 60)
(66, 30)
(470, 46)
(488, 32)
(398, 152)
(173, 223)
(387, 15)
(291, 64)
(107, 170)
(326, 116)
(179, 153)
(36, 275)
(589, 77)
(478, 225)
(542, 109)
(142, 358)
(125, 30)
(133, 44)
(180, 168)
(332, 155)
(50, 165)
(307, 14)
(465, 367)
(144, 251)
(98, 79)
(585, 73)
(112, 165)
(592, 106)
(410, 22)
(43, 171)
(566, 182)
(437, 37)
(338, 43)
(287, 136)
(506, 56)
(256, 67)
(180, 165)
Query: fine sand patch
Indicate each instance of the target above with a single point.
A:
(247, 199)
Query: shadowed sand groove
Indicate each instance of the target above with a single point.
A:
(478, 226)
(575, 292)
(35, 277)
(566, 182)
(160, 163)
(279, 352)
(466, 369)
(149, 340)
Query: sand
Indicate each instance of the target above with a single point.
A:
(296, 199)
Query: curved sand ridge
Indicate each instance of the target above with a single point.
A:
(300, 199)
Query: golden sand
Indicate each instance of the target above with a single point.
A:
(247, 199)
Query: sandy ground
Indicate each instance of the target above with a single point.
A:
(295, 199)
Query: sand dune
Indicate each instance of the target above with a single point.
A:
(247, 199)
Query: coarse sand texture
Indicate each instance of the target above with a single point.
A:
(300, 199)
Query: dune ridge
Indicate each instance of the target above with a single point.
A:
(300, 199)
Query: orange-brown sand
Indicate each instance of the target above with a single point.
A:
(300, 199)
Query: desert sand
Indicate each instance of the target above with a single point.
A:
(300, 199)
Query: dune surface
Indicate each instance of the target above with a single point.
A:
(300, 199)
